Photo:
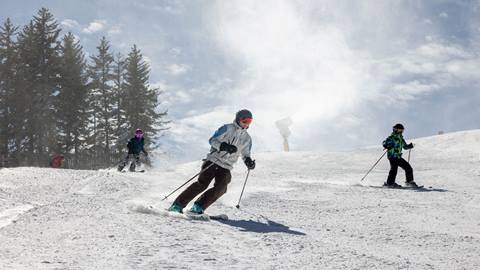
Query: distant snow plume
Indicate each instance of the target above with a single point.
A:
(290, 66)
(283, 126)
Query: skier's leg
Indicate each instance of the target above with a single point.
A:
(135, 161)
(123, 163)
(393, 171)
(408, 169)
(197, 187)
(222, 178)
(132, 165)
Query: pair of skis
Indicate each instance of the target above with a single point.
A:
(152, 210)
(193, 216)
(140, 171)
(399, 187)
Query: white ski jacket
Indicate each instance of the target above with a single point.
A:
(232, 134)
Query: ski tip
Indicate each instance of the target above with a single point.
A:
(219, 217)
(203, 217)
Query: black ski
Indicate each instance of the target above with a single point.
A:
(141, 171)
(205, 217)
(401, 187)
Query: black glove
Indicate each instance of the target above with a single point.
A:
(249, 163)
(409, 146)
(146, 154)
(229, 148)
(386, 145)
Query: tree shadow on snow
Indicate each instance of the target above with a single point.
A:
(259, 227)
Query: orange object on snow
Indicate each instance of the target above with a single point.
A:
(57, 161)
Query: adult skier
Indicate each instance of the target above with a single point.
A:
(135, 145)
(394, 145)
(227, 144)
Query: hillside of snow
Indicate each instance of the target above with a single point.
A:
(300, 210)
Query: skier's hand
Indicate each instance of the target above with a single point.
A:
(409, 146)
(387, 145)
(229, 148)
(249, 163)
(146, 154)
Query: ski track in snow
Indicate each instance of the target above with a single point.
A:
(300, 210)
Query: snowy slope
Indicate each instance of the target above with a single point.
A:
(301, 210)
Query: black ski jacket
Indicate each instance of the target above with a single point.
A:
(135, 146)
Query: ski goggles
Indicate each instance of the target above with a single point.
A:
(246, 121)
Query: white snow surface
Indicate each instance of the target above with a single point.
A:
(300, 210)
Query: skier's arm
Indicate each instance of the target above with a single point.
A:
(388, 143)
(143, 148)
(407, 146)
(217, 137)
(246, 151)
(130, 145)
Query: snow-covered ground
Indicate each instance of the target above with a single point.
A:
(301, 210)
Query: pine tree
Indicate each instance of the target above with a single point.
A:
(51, 102)
(25, 95)
(141, 100)
(71, 117)
(102, 101)
(121, 131)
(39, 55)
(8, 59)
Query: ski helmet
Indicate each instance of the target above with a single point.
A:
(398, 126)
(243, 114)
(139, 133)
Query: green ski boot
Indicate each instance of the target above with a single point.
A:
(176, 208)
(197, 209)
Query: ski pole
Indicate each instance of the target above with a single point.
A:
(206, 168)
(244, 184)
(374, 165)
(193, 177)
(409, 150)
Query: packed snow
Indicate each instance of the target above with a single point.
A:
(300, 210)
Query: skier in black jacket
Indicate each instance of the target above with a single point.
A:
(135, 146)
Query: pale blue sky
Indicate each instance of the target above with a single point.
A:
(345, 71)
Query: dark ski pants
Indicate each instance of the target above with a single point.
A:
(402, 163)
(222, 178)
(135, 161)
